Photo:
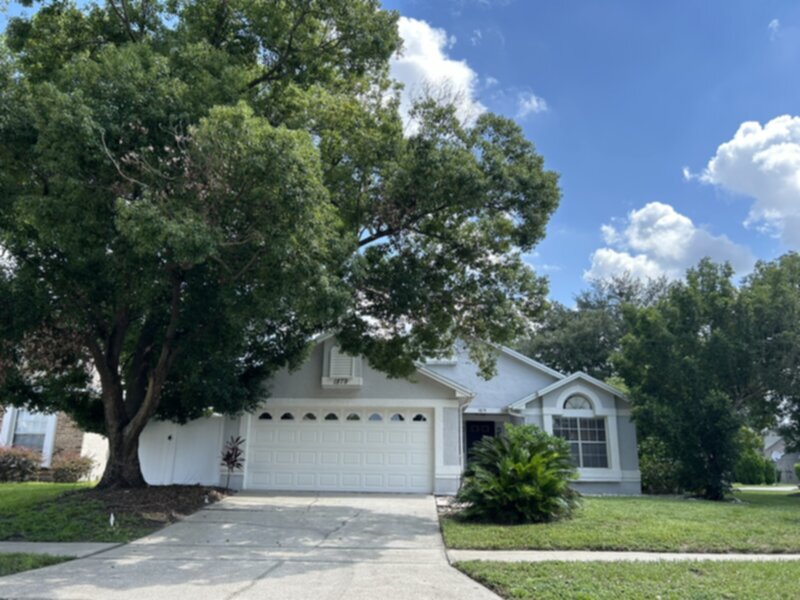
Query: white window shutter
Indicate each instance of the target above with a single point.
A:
(342, 365)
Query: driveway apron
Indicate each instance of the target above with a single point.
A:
(271, 546)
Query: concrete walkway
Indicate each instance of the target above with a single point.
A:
(599, 556)
(764, 488)
(75, 549)
(298, 547)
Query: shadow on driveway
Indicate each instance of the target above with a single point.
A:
(272, 546)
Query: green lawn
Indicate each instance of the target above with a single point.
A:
(759, 522)
(14, 563)
(630, 580)
(46, 512)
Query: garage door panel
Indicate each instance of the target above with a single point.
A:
(397, 437)
(351, 458)
(351, 480)
(308, 436)
(307, 458)
(286, 436)
(340, 454)
(375, 437)
(397, 458)
(354, 437)
(329, 458)
(264, 436)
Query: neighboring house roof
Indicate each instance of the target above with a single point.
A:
(580, 375)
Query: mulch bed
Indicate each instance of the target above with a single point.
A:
(157, 504)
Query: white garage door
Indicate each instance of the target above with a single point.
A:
(364, 450)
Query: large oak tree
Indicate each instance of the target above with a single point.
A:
(190, 190)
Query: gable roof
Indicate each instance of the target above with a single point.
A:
(529, 361)
(460, 390)
(579, 375)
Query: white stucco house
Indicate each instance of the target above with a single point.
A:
(336, 424)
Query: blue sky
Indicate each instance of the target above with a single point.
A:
(634, 92)
(637, 105)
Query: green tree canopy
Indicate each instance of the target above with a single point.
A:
(584, 338)
(190, 190)
(710, 357)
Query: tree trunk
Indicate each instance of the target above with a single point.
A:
(123, 469)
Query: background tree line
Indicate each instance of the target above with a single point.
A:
(702, 358)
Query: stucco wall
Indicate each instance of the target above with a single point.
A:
(514, 380)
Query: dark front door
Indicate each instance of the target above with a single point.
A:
(476, 430)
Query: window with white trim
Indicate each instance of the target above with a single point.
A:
(30, 430)
(587, 440)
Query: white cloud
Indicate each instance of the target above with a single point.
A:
(763, 163)
(476, 37)
(529, 103)
(656, 240)
(774, 29)
(424, 66)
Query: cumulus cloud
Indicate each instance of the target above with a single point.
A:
(656, 240)
(425, 66)
(763, 163)
(530, 104)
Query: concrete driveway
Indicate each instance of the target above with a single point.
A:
(284, 547)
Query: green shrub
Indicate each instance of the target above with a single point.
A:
(521, 476)
(749, 468)
(659, 470)
(797, 470)
(770, 475)
(18, 464)
(70, 468)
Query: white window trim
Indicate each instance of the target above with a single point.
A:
(613, 472)
(9, 424)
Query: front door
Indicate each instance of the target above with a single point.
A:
(476, 430)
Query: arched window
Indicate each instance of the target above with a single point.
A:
(331, 417)
(375, 417)
(397, 417)
(353, 417)
(287, 417)
(420, 418)
(265, 416)
(577, 403)
(309, 417)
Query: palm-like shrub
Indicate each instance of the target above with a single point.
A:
(521, 476)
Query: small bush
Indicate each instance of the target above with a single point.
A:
(659, 470)
(749, 468)
(70, 468)
(521, 476)
(18, 464)
(797, 470)
(770, 472)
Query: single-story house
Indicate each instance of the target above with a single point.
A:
(335, 424)
(50, 435)
(775, 450)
